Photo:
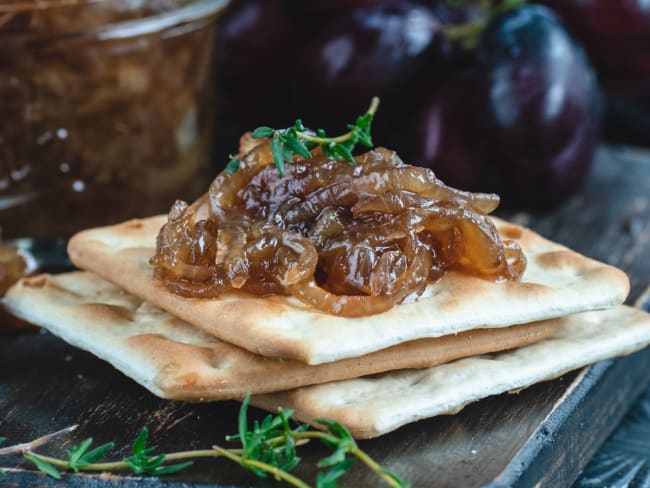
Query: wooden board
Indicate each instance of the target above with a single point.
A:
(624, 458)
(545, 434)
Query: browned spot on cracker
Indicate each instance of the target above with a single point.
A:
(561, 259)
(107, 311)
(187, 380)
(133, 224)
(36, 282)
(511, 232)
(526, 290)
(256, 308)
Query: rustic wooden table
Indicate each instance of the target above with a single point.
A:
(545, 434)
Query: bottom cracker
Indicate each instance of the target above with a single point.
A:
(176, 360)
(376, 405)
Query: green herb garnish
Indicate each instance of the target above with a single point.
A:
(267, 448)
(141, 461)
(80, 457)
(44, 466)
(233, 165)
(285, 143)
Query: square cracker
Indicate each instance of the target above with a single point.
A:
(557, 282)
(368, 406)
(176, 360)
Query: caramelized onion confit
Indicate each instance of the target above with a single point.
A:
(350, 240)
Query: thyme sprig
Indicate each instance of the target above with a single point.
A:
(285, 143)
(267, 448)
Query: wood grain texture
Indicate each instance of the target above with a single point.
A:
(544, 434)
(624, 458)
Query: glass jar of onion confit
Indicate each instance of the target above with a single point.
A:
(106, 110)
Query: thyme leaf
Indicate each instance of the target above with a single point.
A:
(44, 466)
(233, 166)
(142, 462)
(79, 456)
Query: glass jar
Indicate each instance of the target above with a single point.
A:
(106, 110)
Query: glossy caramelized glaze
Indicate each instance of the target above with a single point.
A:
(350, 240)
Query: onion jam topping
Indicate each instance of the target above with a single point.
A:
(349, 240)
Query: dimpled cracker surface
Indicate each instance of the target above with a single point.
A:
(557, 282)
(174, 359)
(375, 405)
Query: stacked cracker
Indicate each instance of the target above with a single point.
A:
(462, 340)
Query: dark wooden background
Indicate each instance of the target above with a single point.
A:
(545, 434)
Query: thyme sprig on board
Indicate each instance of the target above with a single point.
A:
(268, 449)
(285, 143)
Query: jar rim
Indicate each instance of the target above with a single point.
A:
(191, 12)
